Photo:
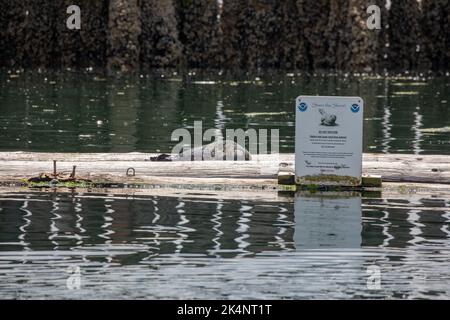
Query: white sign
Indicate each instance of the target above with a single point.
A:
(328, 140)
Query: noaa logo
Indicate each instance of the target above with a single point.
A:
(302, 107)
(355, 108)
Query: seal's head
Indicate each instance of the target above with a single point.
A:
(162, 157)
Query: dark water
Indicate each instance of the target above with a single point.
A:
(84, 113)
(310, 246)
(166, 247)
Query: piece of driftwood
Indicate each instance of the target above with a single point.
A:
(261, 172)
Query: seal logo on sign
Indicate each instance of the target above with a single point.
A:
(355, 108)
(302, 107)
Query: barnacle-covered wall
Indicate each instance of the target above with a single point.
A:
(198, 28)
(160, 45)
(331, 35)
(435, 25)
(85, 47)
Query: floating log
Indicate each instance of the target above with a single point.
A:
(260, 173)
(411, 192)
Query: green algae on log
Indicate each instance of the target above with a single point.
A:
(332, 180)
(66, 184)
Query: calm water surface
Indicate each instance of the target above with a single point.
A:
(87, 113)
(318, 246)
(310, 246)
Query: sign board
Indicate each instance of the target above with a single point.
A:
(328, 140)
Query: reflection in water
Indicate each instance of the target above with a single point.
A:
(386, 122)
(217, 223)
(243, 228)
(386, 224)
(328, 220)
(53, 235)
(313, 245)
(183, 220)
(24, 227)
(417, 133)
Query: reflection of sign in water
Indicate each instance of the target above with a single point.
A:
(327, 220)
(328, 140)
(73, 282)
(374, 277)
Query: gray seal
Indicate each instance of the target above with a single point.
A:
(217, 150)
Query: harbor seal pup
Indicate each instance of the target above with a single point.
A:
(218, 150)
(327, 118)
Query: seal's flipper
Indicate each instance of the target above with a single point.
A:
(162, 157)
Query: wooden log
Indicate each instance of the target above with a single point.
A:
(263, 170)
(411, 192)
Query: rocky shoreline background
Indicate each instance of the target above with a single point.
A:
(307, 35)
